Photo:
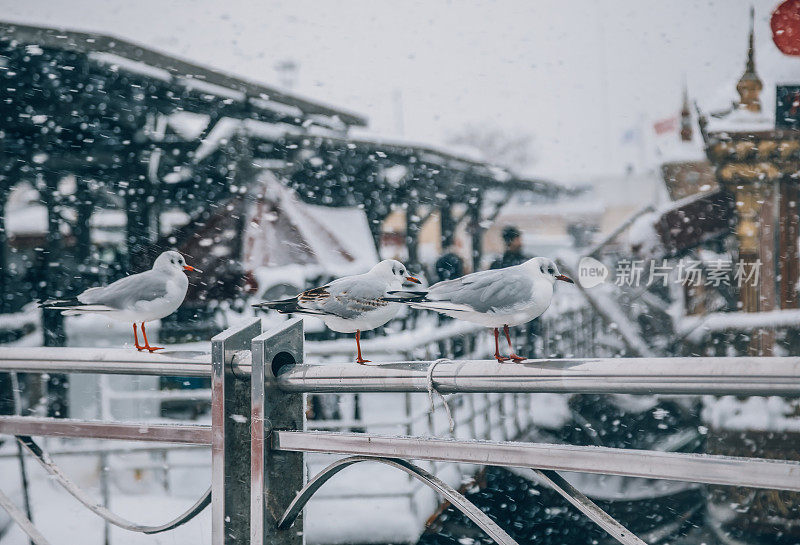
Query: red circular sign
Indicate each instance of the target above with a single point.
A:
(785, 24)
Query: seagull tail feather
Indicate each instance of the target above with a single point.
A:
(406, 296)
(285, 306)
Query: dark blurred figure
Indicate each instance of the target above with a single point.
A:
(449, 265)
(512, 237)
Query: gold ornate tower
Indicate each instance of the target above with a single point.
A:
(750, 86)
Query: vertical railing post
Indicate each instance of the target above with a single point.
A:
(230, 457)
(276, 476)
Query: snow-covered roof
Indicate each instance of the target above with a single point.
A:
(227, 127)
(189, 125)
(283, 229)
(136, 58)
(741, 120)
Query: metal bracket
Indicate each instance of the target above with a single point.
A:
(230, 430)
(275, 476)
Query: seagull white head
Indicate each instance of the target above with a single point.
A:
(393, 271)
(545, 267)
(172, 261)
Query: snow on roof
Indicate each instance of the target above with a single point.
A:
(195, 84)
(142, 60)
(742, 120)
(284, 109)
(337, 239)
(683, 152)
(28, 220)
(227, 127)
(115, 62)
(189, 125)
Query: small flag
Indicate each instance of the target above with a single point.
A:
(665, 126)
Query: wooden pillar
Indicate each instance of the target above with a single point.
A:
(767, 295)
(139, 220)
(412, 235)
(52, 320)
(82, 232)
(756, 208)
(447, 225)
(476, 231)
(788, 258)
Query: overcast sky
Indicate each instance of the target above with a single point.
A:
(576, 74)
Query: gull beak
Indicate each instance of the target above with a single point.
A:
(190, 268)
(412, 279)
(564, 278)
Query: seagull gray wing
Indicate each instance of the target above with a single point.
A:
(486, 291)
(126, 292)
(348, 297)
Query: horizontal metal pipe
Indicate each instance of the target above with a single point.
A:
(194, 434)
(696, 468)
(704, 375)
(116, 361)
(720, 376)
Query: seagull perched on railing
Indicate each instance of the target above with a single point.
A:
(351, 304)
(143, 297)
(501, 297)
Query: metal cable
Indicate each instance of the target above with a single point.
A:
(80, 495)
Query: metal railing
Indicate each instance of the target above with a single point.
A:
(258, 437)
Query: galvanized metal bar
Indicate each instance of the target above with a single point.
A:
(705, 375)
(698, 468)
(275, 476)
(457, 499)
(230, 424)
(22, 521)
(195, 434)
(588, 507)
(114, 361)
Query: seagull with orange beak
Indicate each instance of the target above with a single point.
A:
(496, 298)
(351, 304)
(143, 297)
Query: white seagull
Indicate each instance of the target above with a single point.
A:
(501, 297)
(351, 304)
(143, 297)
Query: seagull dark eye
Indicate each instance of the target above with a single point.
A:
(550, 270)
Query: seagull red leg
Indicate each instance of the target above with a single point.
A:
(359, 359)
(512, 355)
(147, 344)
(497, 355)
(136, 339)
